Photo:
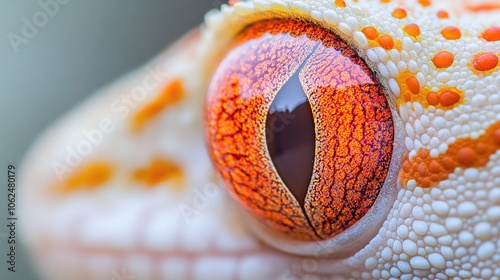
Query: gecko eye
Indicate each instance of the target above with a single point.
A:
(299, 128)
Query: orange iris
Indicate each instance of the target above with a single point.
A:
(353, 127)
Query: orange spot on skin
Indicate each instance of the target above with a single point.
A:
(451, 33)
(159, 170)
(406, 97)
(443, 59)
(422, 170)
(385, 1)
(485, 62)
(424, 3)
(464, 153)
(423, 154)
(492, 34)
(412, 29)
(446, 98)
(432, 98)
(370, 32)
(413, 85)
(340, 3)
(449, 98)
(442, 14)
(170, 95)
(434, 166)
(399, 13)
(486, 7)
(496, 136)
(386, 42)
(87, 177)
(466, 156)
(232, 2)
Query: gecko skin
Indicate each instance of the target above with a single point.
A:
(123, 184)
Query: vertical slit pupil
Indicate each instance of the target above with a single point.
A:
(290, 137)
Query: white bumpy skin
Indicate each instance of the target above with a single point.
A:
(181, 224)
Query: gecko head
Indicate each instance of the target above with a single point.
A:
(356, 139)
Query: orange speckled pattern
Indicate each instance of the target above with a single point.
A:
(451, 33)
(449, 98)
(370, 32)
(492, 34)
(87, 177)
(340, 3)
(353, 122)
(443, 14)
(386, 42)
(235, 119)
(465, 153)
(354, 136)
(383, 40)
(444, 98)
(159, 170)
(399, 13)
(424, 3)
(485, 61)
(171, 94)
(413, 85)
(443, 59)
(486, 6)
(412, 29)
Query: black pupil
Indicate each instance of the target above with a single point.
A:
(290, 137)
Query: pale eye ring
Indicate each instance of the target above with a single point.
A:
(302, 134)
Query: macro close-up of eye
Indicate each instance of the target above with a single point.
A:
(274, 140)
(299, 128)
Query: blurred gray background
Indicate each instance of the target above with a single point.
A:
(84, 46)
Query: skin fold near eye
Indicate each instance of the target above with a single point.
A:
(322, 177)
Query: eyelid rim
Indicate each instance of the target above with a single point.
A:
(344, 245)
(221, 36)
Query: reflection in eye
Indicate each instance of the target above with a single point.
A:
(299, 128)
(291, 144)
